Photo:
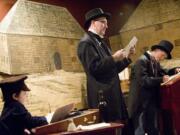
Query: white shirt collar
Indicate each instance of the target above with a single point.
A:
(151, 55)
(149, 52)
(93, 31)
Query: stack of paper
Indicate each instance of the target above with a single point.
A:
(93, 126)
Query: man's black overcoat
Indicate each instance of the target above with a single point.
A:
(102, 74)
(145, 80)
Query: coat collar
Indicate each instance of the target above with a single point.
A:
(94, 32)
(147, 55)
(95, 35)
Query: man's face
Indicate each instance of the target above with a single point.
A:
(161, 55)
(100, 25)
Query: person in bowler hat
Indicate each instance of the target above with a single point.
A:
(146, 77)
(102, 67)
(15, 118)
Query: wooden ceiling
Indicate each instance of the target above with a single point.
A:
(120, 10)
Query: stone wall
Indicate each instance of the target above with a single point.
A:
(149, 36)
(37, 37)
(28, 54)
(52, 90)
(151, 22)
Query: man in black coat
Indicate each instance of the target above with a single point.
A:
(102, 67)
(145, 80)
(15, 118)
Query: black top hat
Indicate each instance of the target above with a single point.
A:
(165, 46)
(13, 84)
(93, 14)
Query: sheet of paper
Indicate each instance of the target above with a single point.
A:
(93, 126)
(49, 117)
(131, 44)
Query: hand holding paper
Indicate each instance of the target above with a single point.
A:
(126, 52)
(119, 55)
(172, 79)
(177, 70)
(130, 48)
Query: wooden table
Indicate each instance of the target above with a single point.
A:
(170, 105)
(110, 130)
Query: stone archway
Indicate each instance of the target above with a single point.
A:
(57, 60)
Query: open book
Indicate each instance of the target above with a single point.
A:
(171, 78)
(131, 44)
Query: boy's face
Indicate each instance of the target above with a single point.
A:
(22, 97)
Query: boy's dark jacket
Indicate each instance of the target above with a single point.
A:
(15, 118)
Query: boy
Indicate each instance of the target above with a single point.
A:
(15, 117)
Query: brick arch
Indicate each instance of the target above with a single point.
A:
(57, 60)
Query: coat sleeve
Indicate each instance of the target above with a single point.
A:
(22, 115)
(92, 62)
(170, 71)
(34, 121)
(143, 76)
(121, 65)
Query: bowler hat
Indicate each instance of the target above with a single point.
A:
(13, 84)
(165, 46)
(93, 14)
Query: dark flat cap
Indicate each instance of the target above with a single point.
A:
(13, 79)
(15, 82)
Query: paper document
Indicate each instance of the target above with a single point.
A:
(131, 44)
(171, 78)
(49, 117)
(60, 113)
(93, 126)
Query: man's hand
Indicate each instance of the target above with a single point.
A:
(177, 70)
(27, 132)
(165, 78)
(119, 55)
(132, 51)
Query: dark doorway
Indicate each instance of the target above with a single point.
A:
(57, 60)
